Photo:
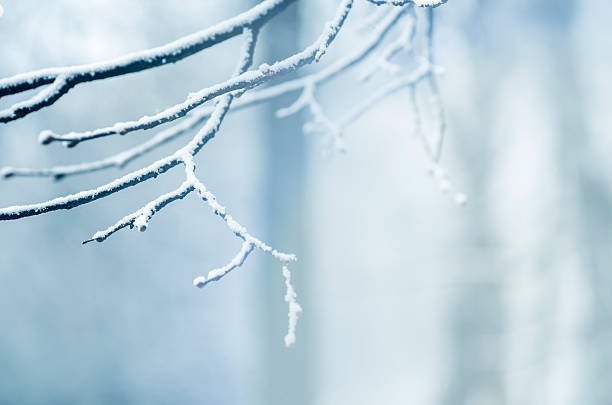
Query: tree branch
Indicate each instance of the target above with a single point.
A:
(63, 79)
(240, 83)
(420, 3)
(198, 116)
(195, 145)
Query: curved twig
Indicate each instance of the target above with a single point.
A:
(420, 3)
(198, 116)
(240, 83)
(193, 147)
(65, 78)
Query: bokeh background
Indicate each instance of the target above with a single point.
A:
(407, 297)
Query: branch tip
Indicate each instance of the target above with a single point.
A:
(46, 137)
(7, 172)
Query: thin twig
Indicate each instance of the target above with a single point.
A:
(193, 147)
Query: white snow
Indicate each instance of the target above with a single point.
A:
(295, 310)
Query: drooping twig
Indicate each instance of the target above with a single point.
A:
(295, 309)
(436, 102)
(401, 82)
(140, 219)
(60, 80)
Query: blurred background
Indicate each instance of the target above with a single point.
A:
(407, 297)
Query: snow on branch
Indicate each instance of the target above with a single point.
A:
(241, 80)
(63, 79)
(193, 147)
(420, 3)
(140, 219)
(436, 102)
(295, 310)
(240, 83)
(118, 160)
(223, 98)
(320, 122)
(197, 117)
(403, 43)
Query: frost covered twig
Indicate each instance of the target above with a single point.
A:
(436, 102)
(193, 147)
(434, 149)
(241, 232)
(222, 97)
(307, 99)
(118, 160)
(420, 3)
(184, 155)
(371, 19)
(198, 116)
(140, 219)
(404, 42)
(320, 121)
(240, 83)
(295, 309)
(63, 79)
(248, 245)
(406, 80)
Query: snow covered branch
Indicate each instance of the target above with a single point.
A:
(193, 147)
(249, 99)
(420, 3)
(240, 83)
(221, 99)
(403, 43)
(63, 79)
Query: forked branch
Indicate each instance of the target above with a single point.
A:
(222, 98)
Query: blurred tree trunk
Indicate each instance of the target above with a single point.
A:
(286, 377)
(477, 313)
(589, 206)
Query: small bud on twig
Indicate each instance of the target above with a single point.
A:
(46, 137)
